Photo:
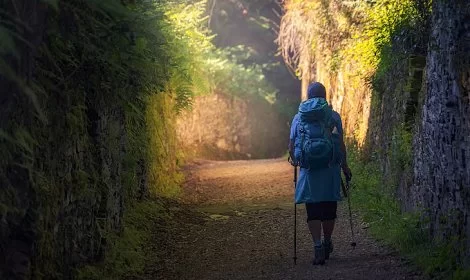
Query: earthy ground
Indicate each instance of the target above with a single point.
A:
(244, 230)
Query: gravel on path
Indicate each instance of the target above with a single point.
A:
(244, 230)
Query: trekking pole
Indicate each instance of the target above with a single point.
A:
(295, 218)
(346, 194)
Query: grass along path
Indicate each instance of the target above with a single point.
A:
(244, 230)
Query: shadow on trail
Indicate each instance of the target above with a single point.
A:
(246, 231)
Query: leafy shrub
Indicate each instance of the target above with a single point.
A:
(405, 232)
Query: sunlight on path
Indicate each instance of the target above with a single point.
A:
(248, 230)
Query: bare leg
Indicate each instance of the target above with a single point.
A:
(314, 227)
(315, 230)
(328, 227)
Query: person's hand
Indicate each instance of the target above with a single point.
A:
(347, 172)
(292, 161)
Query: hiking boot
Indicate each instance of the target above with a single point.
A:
(319, 255)
(328, 245)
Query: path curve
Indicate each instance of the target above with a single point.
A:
(246, 230)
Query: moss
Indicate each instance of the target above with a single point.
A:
(164, 175)
(91, 91)
(126, 254)
(402, 147)
(406, 232)
(109, 81)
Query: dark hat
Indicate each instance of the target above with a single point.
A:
(316, 90)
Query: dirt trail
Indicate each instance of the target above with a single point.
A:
(246, 230)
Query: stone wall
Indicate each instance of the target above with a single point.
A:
(378, 100)
(18, 199)
(73, 139)
(380, 120)
(411, 112)
(442, 144)
(350, 97)
(415, 117)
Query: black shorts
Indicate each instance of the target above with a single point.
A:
(322, 211)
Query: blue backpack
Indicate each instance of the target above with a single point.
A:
(315, 146)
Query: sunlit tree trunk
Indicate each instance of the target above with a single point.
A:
(442, 144)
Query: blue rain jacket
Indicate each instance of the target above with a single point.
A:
(321, 184)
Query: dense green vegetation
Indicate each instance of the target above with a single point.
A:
(404, 232)
(373, 54)
(249, 28)
(91, 119)
(92, 90)
(129, 256)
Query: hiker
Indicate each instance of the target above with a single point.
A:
(317, 146)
